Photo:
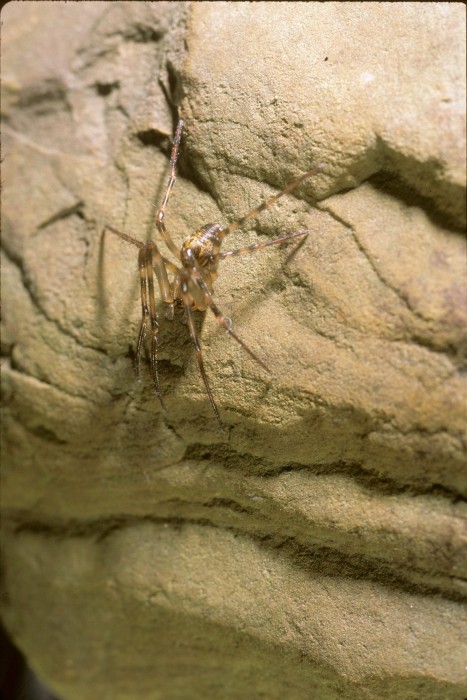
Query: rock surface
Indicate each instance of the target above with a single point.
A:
(317, 550)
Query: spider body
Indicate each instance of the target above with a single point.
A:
(190, 282)
(201, 244)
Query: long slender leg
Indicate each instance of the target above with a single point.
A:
(159, 266)
(144, 308)
(220, 318)
(264, 205)
(176, 295)
(199, 357)
(172, 177)
(167, 289)
(259, 246)
(125, 236)
(153, 319)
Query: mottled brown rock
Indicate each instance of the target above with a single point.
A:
(318, 549)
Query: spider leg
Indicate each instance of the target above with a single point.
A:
(175, 288)
(172, 177)
(144, 308)
(264, 205)
(159, 266)
(147, 289)
(259, 246)
(125, 236)
(199, 357)
(150, 250)
(169, 291)
(176, 295)
(226, 323)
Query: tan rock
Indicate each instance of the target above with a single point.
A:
(318, 549)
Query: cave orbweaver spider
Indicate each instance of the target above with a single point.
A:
(193, 277)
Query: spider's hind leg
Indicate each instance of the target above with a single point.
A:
(222, 320)
(187, 301)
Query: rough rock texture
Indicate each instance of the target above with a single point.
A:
(318, 549)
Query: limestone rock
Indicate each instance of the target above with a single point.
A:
(317, 550)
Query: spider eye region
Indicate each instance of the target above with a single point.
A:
(200, 245)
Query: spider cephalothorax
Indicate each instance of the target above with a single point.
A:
(190, 281)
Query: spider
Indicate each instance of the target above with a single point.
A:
(192, 278)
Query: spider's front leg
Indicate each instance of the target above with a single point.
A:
(172, 177)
